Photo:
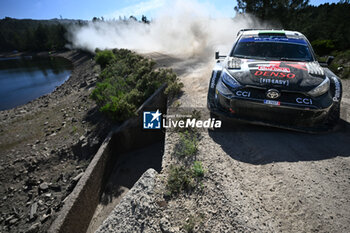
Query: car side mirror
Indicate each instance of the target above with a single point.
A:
(329, 60)
(217, 56)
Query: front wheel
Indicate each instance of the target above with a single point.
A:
(334, 116)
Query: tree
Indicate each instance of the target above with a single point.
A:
(325, 25)
(95, 19)
(132, 18)
(144, 19)
(32, 35)
(41, 37)
(269, 9)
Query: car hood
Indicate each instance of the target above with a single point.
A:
(284, 75)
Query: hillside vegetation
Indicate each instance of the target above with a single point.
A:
(127, 80)
(33, 35)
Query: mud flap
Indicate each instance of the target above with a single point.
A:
(334, 113)
(211, 91)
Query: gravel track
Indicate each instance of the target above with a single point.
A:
(260, 179)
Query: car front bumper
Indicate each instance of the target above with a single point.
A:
(272, 113)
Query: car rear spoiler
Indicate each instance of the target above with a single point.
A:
(255, 29)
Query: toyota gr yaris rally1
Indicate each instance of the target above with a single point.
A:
(272, 77)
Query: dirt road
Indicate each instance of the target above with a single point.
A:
(264, 179)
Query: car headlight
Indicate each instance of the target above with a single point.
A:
(229, 80)
(320, 89)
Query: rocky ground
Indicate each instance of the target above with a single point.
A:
(257, 179)
(45, 147)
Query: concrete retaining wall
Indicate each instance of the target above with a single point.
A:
(80, 205)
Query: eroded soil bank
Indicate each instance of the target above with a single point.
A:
(46, 145)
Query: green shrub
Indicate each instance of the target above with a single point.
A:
(187, 145)
(187, 176)
(118, 108)
(105, 57)
(197, 169)
(174, 88)
(343, 55)
(126, 81)
(180, 179)
(323, 47)
(341, 59)
(345, 74)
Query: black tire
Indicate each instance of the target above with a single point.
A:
(211, 98)
(213, 115)
(211, 102)
(211, 91)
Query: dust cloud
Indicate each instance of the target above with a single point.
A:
(181, 28)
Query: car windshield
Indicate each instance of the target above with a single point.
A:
(269, 48)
